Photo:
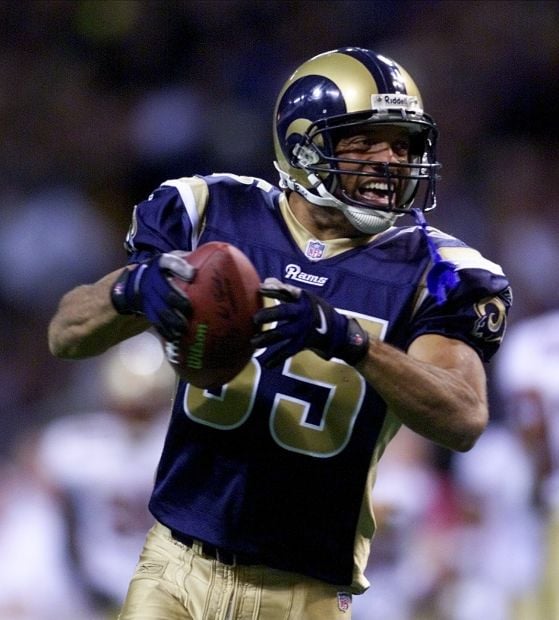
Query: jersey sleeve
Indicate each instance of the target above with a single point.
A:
(170, 219)
(475, 312)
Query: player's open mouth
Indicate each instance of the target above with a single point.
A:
(376, 192)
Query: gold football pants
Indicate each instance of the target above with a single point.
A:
(176, 582)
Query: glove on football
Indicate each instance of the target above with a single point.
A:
(147, 291)
(306, 321)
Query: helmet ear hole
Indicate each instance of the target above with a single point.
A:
(304, 155)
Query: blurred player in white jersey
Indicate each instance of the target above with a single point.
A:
(528, 379)
(102, 463)
(496, 559)
(35, 579)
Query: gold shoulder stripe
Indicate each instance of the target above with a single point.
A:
(195, 194)
(468, 258)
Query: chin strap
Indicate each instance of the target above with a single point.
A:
(368, 221)
(442, 277)
(323, 199)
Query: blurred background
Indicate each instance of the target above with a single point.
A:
(103, 100)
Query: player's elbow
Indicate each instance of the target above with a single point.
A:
(73, 340)
(61, 346)
(473, 427)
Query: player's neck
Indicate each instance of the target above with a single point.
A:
(323, 223)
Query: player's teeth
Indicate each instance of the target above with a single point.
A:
(380, 186)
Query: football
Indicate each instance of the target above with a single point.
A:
(224, 296)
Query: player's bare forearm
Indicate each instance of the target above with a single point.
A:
(86, 324)
(438, 388)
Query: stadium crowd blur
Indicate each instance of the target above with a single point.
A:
(100, 101)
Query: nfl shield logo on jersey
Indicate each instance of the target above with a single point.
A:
(344, 601)
(315, 249)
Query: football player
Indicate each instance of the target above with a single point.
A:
(263, 491)
(527, 379)
(100, 465)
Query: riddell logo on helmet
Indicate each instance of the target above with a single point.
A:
(385, 101)
(396, 100)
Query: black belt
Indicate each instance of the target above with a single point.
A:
(211, 551)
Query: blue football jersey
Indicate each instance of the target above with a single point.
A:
(279, 464)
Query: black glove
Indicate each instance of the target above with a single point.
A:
(146, 290)
(306, 321)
